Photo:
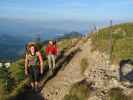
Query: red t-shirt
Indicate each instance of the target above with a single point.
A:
(55, 51)
(51, 49)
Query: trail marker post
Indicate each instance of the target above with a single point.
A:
(110, 48)
(110, 43)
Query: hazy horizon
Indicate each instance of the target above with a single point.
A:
(31, 17)
(23, 20)
(31, 28)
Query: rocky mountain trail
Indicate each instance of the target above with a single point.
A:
(102, 76)
(57, 87)
(83, 66)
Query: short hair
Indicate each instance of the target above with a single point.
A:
(54, 42)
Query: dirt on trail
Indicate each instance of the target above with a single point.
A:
(59, 86)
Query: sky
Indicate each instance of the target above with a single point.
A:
(75, 10)
(27, 18)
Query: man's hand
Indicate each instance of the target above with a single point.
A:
(26, 72)
(41, 71)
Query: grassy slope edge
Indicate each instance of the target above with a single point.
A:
(122, 40)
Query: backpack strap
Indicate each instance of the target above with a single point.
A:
(36, 61)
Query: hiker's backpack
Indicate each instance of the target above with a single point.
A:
(43, 52)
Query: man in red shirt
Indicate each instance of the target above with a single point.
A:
(56, 49)
(51, 52)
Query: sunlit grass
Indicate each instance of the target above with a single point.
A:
(122, 40)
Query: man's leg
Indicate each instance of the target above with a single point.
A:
(31, 76)
(53, 61)
(49, 62)
(36, 76)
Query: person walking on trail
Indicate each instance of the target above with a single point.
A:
(33, 64)
(56, 49)
(51, 52)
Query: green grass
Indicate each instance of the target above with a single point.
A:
(66, 44)
(122, 40)
(78, 91)
(18, 89)
(2, 91)
(117, 94)
(12, 80)
(84, 64)
(17, 70)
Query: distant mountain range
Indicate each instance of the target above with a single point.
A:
(12, 47)
(15, 33)
(72, 34)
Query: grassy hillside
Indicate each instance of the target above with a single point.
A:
(122, 41)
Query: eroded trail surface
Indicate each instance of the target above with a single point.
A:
(102, 76)
(59, 86)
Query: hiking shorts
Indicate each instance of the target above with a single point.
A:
(34, 73)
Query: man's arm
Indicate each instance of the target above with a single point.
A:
(41, 62)
(26, 65)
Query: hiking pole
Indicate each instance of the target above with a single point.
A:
(110, 46)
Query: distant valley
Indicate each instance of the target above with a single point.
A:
(11, 47)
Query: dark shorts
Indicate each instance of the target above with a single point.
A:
(34, 73)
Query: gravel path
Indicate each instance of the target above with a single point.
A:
(59, 86)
